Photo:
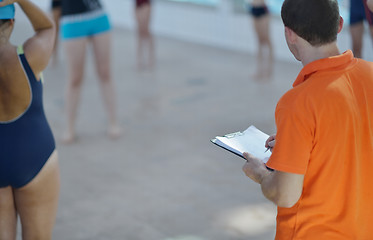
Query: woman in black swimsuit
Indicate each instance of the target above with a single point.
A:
(29, 172)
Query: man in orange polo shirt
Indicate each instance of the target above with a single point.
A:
(323, 153)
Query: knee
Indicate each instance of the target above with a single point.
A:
(37, 234)
(263, 44)
(104, 74)
(143, 32)
(75, 81)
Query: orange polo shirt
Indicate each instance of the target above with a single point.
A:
(325, 132)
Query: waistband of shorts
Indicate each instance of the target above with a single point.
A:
(82, 16)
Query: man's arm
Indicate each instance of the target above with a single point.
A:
(283, 189)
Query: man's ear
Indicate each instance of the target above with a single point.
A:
(341, 21)
(291, 36)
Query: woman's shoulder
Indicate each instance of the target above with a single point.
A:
(11, 68)
(9, 56)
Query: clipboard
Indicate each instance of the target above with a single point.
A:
(252, 140)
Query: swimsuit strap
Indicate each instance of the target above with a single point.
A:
(20, 50)
(26, 65)
(35, 85)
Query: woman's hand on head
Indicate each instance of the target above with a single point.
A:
(7, 2)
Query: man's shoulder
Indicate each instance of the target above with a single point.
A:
(293, 98)
(365, 63)
(363, 70)
(309, 92)
(301, 90)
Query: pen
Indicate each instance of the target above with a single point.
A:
(269, 145)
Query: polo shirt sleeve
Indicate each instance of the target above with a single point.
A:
(295, 135)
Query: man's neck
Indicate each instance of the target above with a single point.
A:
(311, 53)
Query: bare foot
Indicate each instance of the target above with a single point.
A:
(262, 76)
(114, 132)
(257, 76)
(68, 138)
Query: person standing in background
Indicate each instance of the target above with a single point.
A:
(359, 12)
(322, 157)
(29, 170)
(264, 56)
(145, 42)
(85, 22)
(56, 14)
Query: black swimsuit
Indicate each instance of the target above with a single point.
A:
(258, 11)
(139, 3)
(71, 7)
(26, 142)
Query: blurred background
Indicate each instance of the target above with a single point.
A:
(219, 23)
(163, 179)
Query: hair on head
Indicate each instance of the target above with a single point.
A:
(316, 21)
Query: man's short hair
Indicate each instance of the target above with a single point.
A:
(316, 21)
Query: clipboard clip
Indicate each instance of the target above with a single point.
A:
(235, 134)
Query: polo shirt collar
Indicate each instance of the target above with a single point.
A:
(323, 64)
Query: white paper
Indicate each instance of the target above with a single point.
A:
(252, 140)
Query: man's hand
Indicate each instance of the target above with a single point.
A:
(270, 143)
(254, 168)
(283, 189)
